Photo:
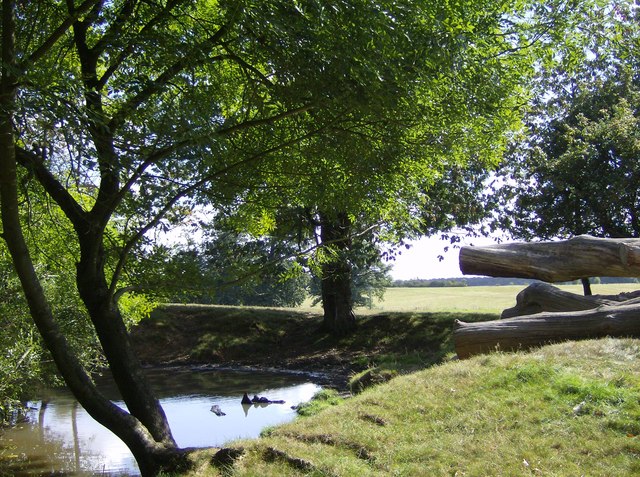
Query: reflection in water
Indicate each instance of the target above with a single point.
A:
(60, 436)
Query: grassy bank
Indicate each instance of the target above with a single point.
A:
(282, 338)
(561, 410)
(564, 410)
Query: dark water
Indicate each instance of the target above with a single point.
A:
(60, 438)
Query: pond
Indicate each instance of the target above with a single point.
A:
(60, 438)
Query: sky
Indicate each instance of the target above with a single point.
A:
(421, 260)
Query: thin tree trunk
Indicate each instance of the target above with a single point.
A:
(152, 456)
(336, 283)
(114, 338)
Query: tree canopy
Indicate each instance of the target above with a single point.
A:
(128, 114)
(575, 169)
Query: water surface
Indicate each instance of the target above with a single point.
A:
(60, 438)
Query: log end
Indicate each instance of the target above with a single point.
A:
(457, 324)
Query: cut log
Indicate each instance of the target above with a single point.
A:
(539, 297)
(543, 328)
(573, 259)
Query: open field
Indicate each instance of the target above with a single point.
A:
(466, 299)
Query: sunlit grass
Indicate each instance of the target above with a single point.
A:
(568, 409)
(561, 410)
(489, 299)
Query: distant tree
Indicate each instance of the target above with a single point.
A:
(229, 269)
(579, 173)
(575, 169)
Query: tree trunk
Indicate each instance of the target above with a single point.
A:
(337, 299)
(543, 313)
(114, 338)
(549, 327)
(153, 450)
(567, 260)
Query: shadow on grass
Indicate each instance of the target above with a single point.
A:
(189, 334)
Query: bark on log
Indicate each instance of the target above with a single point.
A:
(539, 297)
(582, 256)
(543, 328)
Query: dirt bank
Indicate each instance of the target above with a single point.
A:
(289, 339)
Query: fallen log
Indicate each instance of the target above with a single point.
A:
(528, 331)
(539, 297)
(543, 313)
(581, 256)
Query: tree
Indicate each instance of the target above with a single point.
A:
(580, 174)
(129, 113)
(227, 268)
(450, 106)
(575, 170)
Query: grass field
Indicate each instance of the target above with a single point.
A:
(466, 299)
(570, 409)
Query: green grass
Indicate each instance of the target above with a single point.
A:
(564, 410)
(468, 299)
(569, 409)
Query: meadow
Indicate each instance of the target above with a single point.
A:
(490, 299)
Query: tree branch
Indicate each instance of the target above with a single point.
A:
(31, 161)
(128, 49)
(155, 86)
(184, 192)
(57, 34)
(262, 121)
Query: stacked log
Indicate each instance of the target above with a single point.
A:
(544, 313)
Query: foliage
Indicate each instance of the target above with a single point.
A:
(575, 170)
(446, 96)
(227, 268)
(24, 362)
(579, 175)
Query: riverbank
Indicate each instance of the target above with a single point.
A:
(564, 409)
(285, 339)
